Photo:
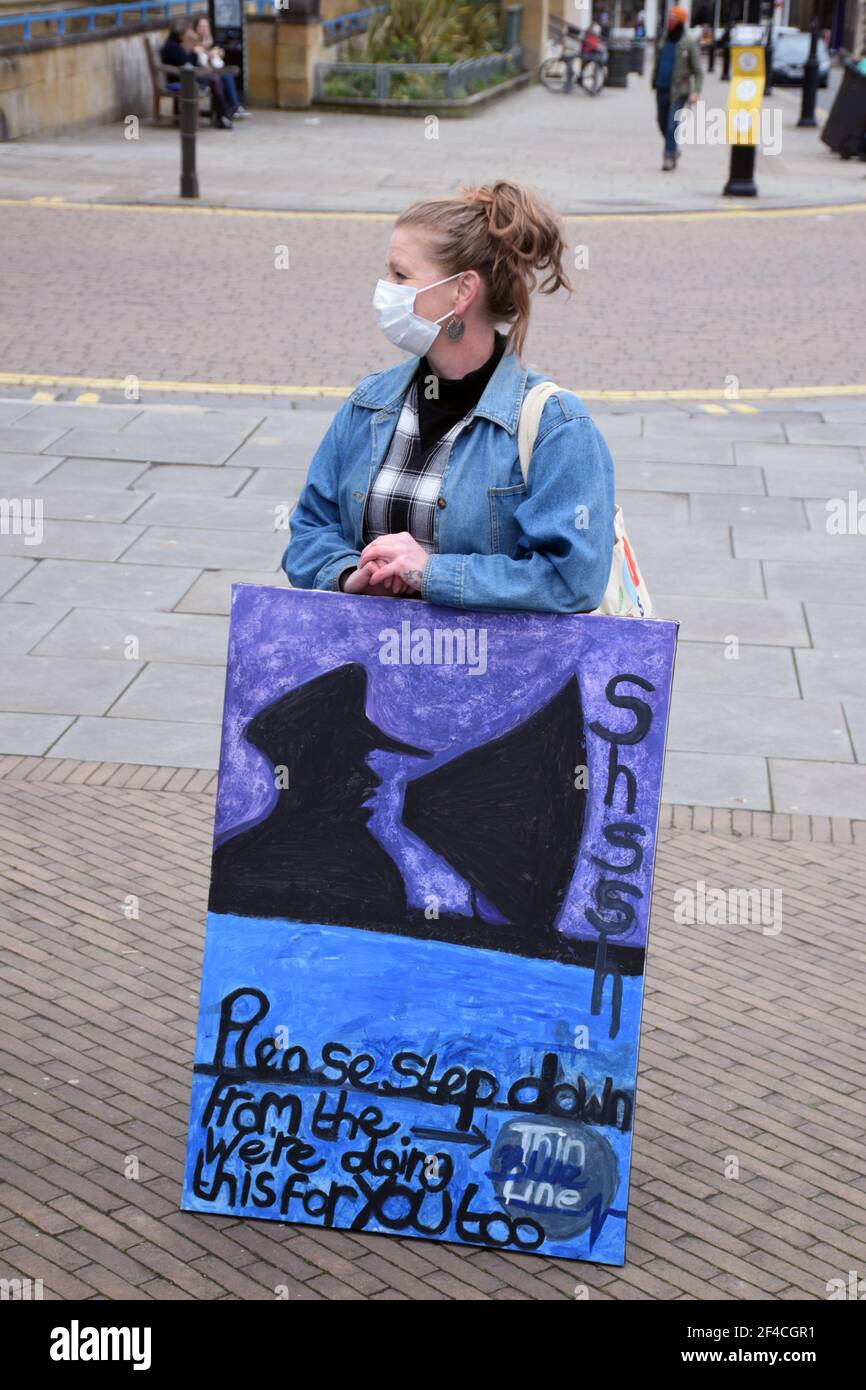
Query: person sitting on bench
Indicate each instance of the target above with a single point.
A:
(214, 57)
(179, 49)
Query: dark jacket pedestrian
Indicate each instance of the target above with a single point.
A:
(677, 80)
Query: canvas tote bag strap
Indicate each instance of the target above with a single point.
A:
(530, 418)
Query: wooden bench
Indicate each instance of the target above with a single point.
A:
(166, 83)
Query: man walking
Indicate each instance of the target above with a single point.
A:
(677, 68)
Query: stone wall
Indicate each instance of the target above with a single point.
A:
(58, 84)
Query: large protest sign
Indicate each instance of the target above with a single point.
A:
(423, 969)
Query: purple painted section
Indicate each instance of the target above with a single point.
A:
(281, 638)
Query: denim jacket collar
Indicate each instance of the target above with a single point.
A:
(500, 401)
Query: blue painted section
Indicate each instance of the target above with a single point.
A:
(382, 995)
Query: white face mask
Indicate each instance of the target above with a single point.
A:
(394, 305)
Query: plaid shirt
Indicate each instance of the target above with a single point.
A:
(405, 491)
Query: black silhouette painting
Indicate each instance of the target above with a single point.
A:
(507, 816)
(518, 791)
(313, 858)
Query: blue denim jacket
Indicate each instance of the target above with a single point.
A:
(498, 542)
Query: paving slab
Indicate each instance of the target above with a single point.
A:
(189, 477)
(656, 544)
(772, 543)
(146, 448)
(813, 583)
(211, 593)
(23, 439)
(756, 670)
(74, 540)
(821, 461)
(264, 452)
(750, 428)
(102, 585)
(855, 713)
(30, 733)
(848, 432)
(232, 423)
(13, 568)
(275, 483)
(821, 789)
(792, 479)
(60, 685)
(748, 509)
(220, 513)
(149, 742)
(716, 620)
(812, 729)
(833, 671)
(617, 425)
(103, 634)
(166, 545)
(836, 625)
(88, 503)
(10, 411)
(673, 506)
(304, 428)
(22, 625)
(665, 450)
(20, 470)
(683, 578)
(734, 780)
(98, 473)
(176, 692)
(689, 477)
(67, 415)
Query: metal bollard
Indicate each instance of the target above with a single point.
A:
(188, 127)
(768, 61)
(810, 80)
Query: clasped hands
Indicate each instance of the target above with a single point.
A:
(388, 567)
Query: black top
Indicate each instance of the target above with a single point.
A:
(456, 396)
(174, 55)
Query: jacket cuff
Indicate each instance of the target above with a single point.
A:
(442, 580)
(328, 576)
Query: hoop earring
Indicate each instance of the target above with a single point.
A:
(455, 329)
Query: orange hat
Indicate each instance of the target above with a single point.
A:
(677, 15)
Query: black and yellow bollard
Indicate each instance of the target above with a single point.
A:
(744, 111)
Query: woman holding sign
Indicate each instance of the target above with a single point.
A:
(418, 488)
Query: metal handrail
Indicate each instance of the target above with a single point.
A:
(334, 29)
(93, 12)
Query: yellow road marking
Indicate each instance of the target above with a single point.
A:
(714, 409)
(58, 204)
(43, 395)
(745, 409)
(87, 398)
(229, 388)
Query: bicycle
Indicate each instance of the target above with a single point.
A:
(557, 72)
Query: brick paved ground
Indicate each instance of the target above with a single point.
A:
(663, 303)
(751, 1050)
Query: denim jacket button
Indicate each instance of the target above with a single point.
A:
(440, 502)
